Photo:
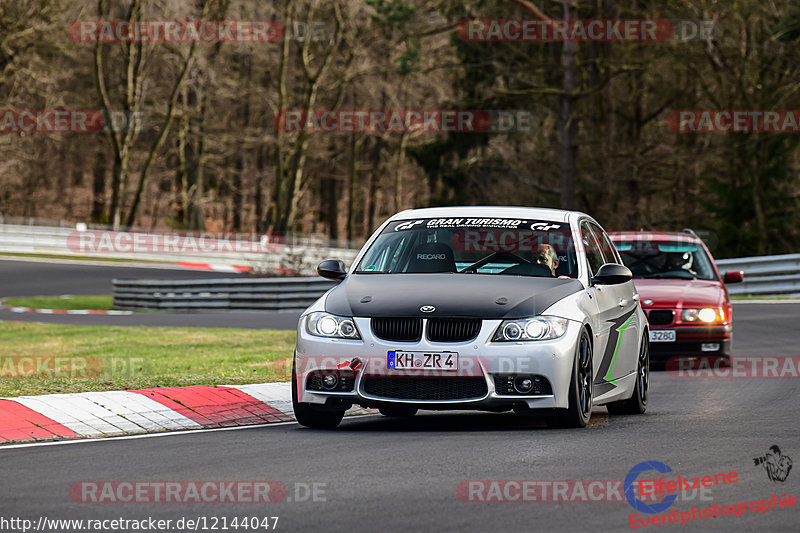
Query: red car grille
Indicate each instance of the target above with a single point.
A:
(660, 317)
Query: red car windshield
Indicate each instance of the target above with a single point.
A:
(666, 259)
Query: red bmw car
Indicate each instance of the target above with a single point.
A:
(681, 291)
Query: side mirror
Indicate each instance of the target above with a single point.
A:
(733, 276)
(332, 269)
(612, 274)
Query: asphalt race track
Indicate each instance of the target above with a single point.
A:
(35, 278)
(380, 474)
(27, 278)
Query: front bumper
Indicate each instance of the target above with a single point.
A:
(480, 383)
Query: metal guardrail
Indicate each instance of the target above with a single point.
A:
(289, 238)
(250, 294)
(300, 256)
(771, 275)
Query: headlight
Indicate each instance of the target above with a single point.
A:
(322, 324)
(531, 329)
(706, 314)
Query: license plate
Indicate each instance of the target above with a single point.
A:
(662, 335)
(398, 360)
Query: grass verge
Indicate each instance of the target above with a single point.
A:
(52, 358)
(100, 303)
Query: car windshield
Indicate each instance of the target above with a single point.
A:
(473, 246)
(672, 260)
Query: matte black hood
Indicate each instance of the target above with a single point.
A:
(453, 295)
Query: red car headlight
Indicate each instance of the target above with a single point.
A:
(706, 314)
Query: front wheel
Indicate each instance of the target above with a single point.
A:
(580, 389)
(637, 403)
(308, 415)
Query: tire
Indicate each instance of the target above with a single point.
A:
(309, 415)
(398, 411)
(580, 389)
(637, 403)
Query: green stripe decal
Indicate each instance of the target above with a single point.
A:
(621, 329)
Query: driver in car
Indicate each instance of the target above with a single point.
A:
(679, 261)
(547, 257)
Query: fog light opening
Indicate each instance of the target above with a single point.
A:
(523, 385)
(710, 347)
(329, 381)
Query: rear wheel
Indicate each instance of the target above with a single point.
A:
(312, 416)
(637, 403)
(398, 411)
(580, 389)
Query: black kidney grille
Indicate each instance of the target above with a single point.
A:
(660, 317)
(397, 329)
(453, 329)
(428, 389)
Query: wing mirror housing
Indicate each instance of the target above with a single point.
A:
(612, 274)
(734, 276)
(332, 269)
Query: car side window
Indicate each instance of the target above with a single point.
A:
(593, 251)
(609, 252)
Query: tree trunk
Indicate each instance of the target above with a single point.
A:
(352, 184)
(261, 222)
(372, 187)
(636, 122)
(566, 125)
(99, 188)
(236, 193)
